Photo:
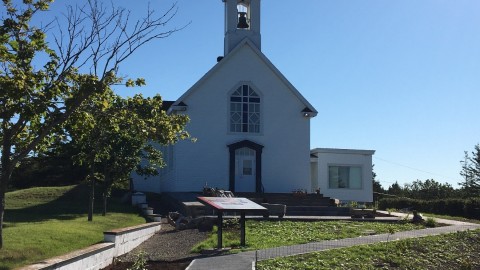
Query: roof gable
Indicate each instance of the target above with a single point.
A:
(246, 43)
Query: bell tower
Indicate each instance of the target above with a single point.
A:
(242, 19)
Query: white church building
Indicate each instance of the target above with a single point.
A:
(252, 129)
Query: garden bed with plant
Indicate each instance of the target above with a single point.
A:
(449, 251)
(173, 249)
(269, 234)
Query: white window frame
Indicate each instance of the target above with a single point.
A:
(246, 107)
(348, 186)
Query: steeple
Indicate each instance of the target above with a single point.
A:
(242, 19)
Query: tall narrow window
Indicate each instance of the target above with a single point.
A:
(245, 110)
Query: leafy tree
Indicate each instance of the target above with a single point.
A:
(475, 159)
(429, 190)
(395, 189)
(112, 134)
(466, 173)
(37, 97)
(377, 187)
(53, 168)
(378, 190)
(471, 173)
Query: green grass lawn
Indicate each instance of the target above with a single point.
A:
(45, 222)
(449, 251)
(268, 234)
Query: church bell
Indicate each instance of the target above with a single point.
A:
(242, 20)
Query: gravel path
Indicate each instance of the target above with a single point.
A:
(168, 245)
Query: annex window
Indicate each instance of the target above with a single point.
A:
(245, 110)
(349, 177)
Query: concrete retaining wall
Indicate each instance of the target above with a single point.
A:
(117, 243)
(128, 238)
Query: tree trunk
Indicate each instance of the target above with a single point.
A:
(92, 195)
(6, 169)
(104, 210)
(106, 189)
(3, 189)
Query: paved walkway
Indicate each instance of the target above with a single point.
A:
(245, 260)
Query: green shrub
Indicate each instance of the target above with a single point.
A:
(231, 223)
(430, 222)
(469, 208)
(472, 207)
(140, 261)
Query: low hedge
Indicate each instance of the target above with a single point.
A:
(469, 208)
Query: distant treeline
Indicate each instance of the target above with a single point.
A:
(430, 189)
(433, 197)
(55, 168)
(469, 208)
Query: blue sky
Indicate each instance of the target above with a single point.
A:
(398, 77)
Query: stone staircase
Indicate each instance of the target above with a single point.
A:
(297, 204)
(185, 203)
(317, 211)
(300, 204)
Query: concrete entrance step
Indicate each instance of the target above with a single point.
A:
(317, 211)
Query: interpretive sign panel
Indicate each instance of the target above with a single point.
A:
(232, 204)
(224, 204)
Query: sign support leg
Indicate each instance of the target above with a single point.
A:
(219, 231)
(242, 229)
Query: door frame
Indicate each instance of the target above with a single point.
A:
(258, 163)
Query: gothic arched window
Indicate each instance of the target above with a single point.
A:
(245, 110)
